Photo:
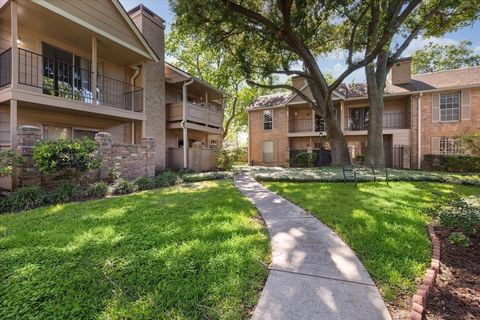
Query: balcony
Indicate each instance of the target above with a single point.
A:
(210, 116)
(54, 77)
(390, 121)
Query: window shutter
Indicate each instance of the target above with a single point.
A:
(274, 119)
(274, 157)
(465, 101)
(435, 107)
(435, 145)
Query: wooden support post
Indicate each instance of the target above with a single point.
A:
(13, 124)
(14, 43)
(94, 70)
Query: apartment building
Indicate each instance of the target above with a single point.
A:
(423, 114)
(75, 68)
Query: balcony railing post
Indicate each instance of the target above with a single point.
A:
(14, 32)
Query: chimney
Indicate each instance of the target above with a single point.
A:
(298, 82)
(400, 73)
(151, 26)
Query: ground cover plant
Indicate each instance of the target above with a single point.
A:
(175, 253)
(384, 225)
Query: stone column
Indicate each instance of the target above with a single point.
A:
(149, 144)
(406, 157)
(104, 151)
(27, 174)
(196, 164)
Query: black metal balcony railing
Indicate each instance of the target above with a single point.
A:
(390, 121)
(57, 78)
(5, 67)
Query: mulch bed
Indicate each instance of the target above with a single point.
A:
(456, 294)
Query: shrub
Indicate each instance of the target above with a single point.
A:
(166, 179)
(144, 183)
(451, 163)
(471, 143)
(123, 186)
(228, 157)
(71, 158)
(463, 213)
(25, 198)
(98, 189)
(459, 238)
(9, 159)
(67, 191)
(360, 158)
(304, 159)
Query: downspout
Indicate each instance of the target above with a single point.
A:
(184, 123)
(419, 129)
(137, 69)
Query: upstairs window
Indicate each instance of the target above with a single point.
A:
(267, 120)
(450, 106)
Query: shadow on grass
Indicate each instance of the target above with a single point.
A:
(384, 225)
(172, 253)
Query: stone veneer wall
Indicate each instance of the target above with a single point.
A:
(130, 160)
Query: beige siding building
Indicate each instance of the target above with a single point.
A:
(74, 68)
(423, 114)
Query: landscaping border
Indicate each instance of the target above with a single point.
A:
(419, 300)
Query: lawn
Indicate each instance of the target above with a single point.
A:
(384, 225)
(195, 251)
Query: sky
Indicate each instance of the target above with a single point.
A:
(333, 63)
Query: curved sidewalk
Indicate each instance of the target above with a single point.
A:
(314, 274)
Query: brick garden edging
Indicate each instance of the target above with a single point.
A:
(419, 301)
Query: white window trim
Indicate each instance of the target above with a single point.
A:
(459, 106)
(263, 119)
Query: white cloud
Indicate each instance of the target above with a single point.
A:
(418, 44)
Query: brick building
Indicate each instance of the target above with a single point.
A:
(423, 114)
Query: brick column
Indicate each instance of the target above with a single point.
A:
(196, 164)
(104, 151)
(27, 137)
(406, 154)
(149, 144)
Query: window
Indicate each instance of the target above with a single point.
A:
(319, 123)
(190, 143)
(213, 143)
(450, 106)
(358, 119)
(79, 134)
(449, 145)
(53, 133)
(267, 151)
(267, 120)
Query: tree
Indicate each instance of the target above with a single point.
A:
(269, 38)
(438, 57)
(431, 18)
(218, 68)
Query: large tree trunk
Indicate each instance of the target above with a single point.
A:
(376, 78)
(336, 139)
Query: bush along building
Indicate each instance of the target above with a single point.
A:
(74, 69)
(424, 114)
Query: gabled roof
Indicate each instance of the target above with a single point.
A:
(71, 12)
(441, 80)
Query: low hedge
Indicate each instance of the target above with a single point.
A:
(451, 163)
(304, 160)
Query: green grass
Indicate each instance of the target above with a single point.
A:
(384, 225)
(191, 252)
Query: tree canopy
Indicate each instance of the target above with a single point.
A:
(439, 57)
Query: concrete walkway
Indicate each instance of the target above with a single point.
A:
(314, 274)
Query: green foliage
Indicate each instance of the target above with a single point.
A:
(67, 191)
(166, 179)
(384, 225)
(451, 163)
(206, 176)
(72, 158)
(98, 189)
(9, 160)
(462, 213)
(459, 238)
(304, 159)
(123, 186)
(25, 198)
(439, 57)
(143, 183)
(175, 253)
(471, 143)
(228, 157)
